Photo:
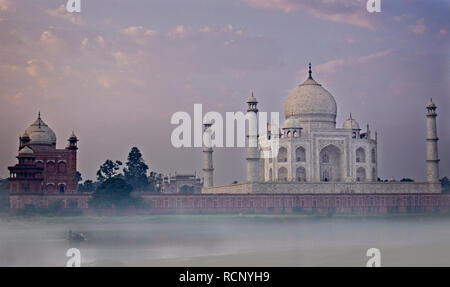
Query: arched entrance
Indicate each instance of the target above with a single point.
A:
(360, 155)
(330, 163)
(282, 174)
(282, 154)
(361, 174)
(301, 174)
(300, 155)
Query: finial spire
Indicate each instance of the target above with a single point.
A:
(39, 118)
(310, 71)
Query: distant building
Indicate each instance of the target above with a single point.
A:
(42, 168)
(181, 183)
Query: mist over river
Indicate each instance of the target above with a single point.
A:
(227, 240)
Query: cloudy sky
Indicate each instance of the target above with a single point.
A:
(116, 72)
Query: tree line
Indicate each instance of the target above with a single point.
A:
(113, 188)
(134, 173)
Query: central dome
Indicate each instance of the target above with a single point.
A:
(40, 134)
(310, 102)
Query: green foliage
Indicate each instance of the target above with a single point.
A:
(79, 177)
(113, 193)
(136, 170)
(4, 195)
(445, 184)
(154, 181)
(186, 189)
(406, 180)
(87, 186)
(108, 169)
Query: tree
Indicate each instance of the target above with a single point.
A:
(87, 186)
(136, 170)
(79, 177)
(112, 193)
(154, 182)
(4, 195)
(108, 169)
(445, 182)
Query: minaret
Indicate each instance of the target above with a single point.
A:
(208, 169)
(252, 149)
(432, 144)
(72, 163)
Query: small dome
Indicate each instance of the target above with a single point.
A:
(40, 133)
(351, 124)
(73, 136)
(311, 102)
(252, 99)
(431, 105)
(26, 151)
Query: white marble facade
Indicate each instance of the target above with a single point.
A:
(312, 148)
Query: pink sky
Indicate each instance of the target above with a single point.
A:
(116, 73)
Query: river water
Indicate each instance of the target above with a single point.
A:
(211, 240)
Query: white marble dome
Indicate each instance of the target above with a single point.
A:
(311, 102)
(40, 133)
(351, 124)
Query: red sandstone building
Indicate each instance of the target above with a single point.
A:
(42, 169)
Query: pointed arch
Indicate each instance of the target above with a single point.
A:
(331, 163)
(282, 174)
(301, 174)
(282, 154)
(360, 155)
(361, 174)
(300, 154)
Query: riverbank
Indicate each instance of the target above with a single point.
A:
(211, 217)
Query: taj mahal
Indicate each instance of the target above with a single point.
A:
(312, 149)
(315, 155)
